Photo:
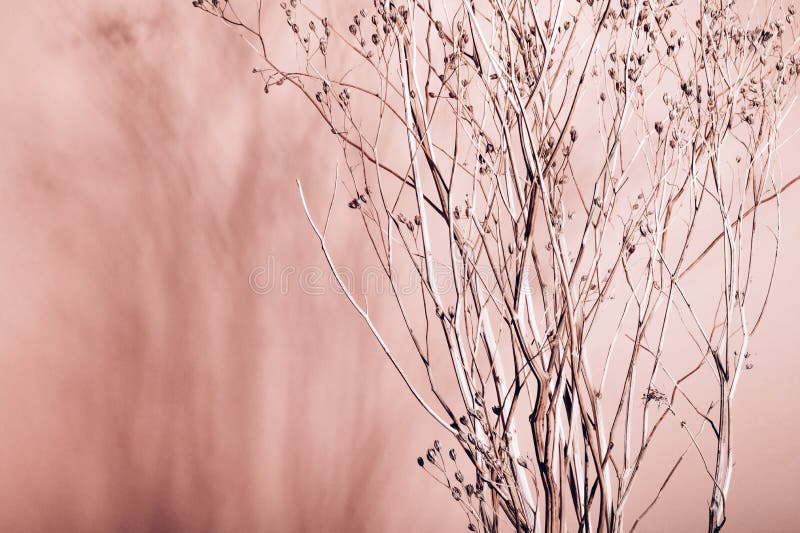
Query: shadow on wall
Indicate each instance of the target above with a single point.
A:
(143, 385)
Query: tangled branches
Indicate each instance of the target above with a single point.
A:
(555, 174)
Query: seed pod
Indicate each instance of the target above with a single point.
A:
(420, 461)
(452, 454)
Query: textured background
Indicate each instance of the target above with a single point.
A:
(145, 387)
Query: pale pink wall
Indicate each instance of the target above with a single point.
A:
(145, 387)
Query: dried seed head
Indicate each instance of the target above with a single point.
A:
(452, 454)
(420, 461)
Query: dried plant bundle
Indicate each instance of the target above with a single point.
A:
(551, 172)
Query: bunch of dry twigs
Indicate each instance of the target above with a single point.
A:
(554, 173)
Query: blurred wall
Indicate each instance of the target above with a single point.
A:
(144, 386)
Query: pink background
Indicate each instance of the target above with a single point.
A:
(145, 387)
